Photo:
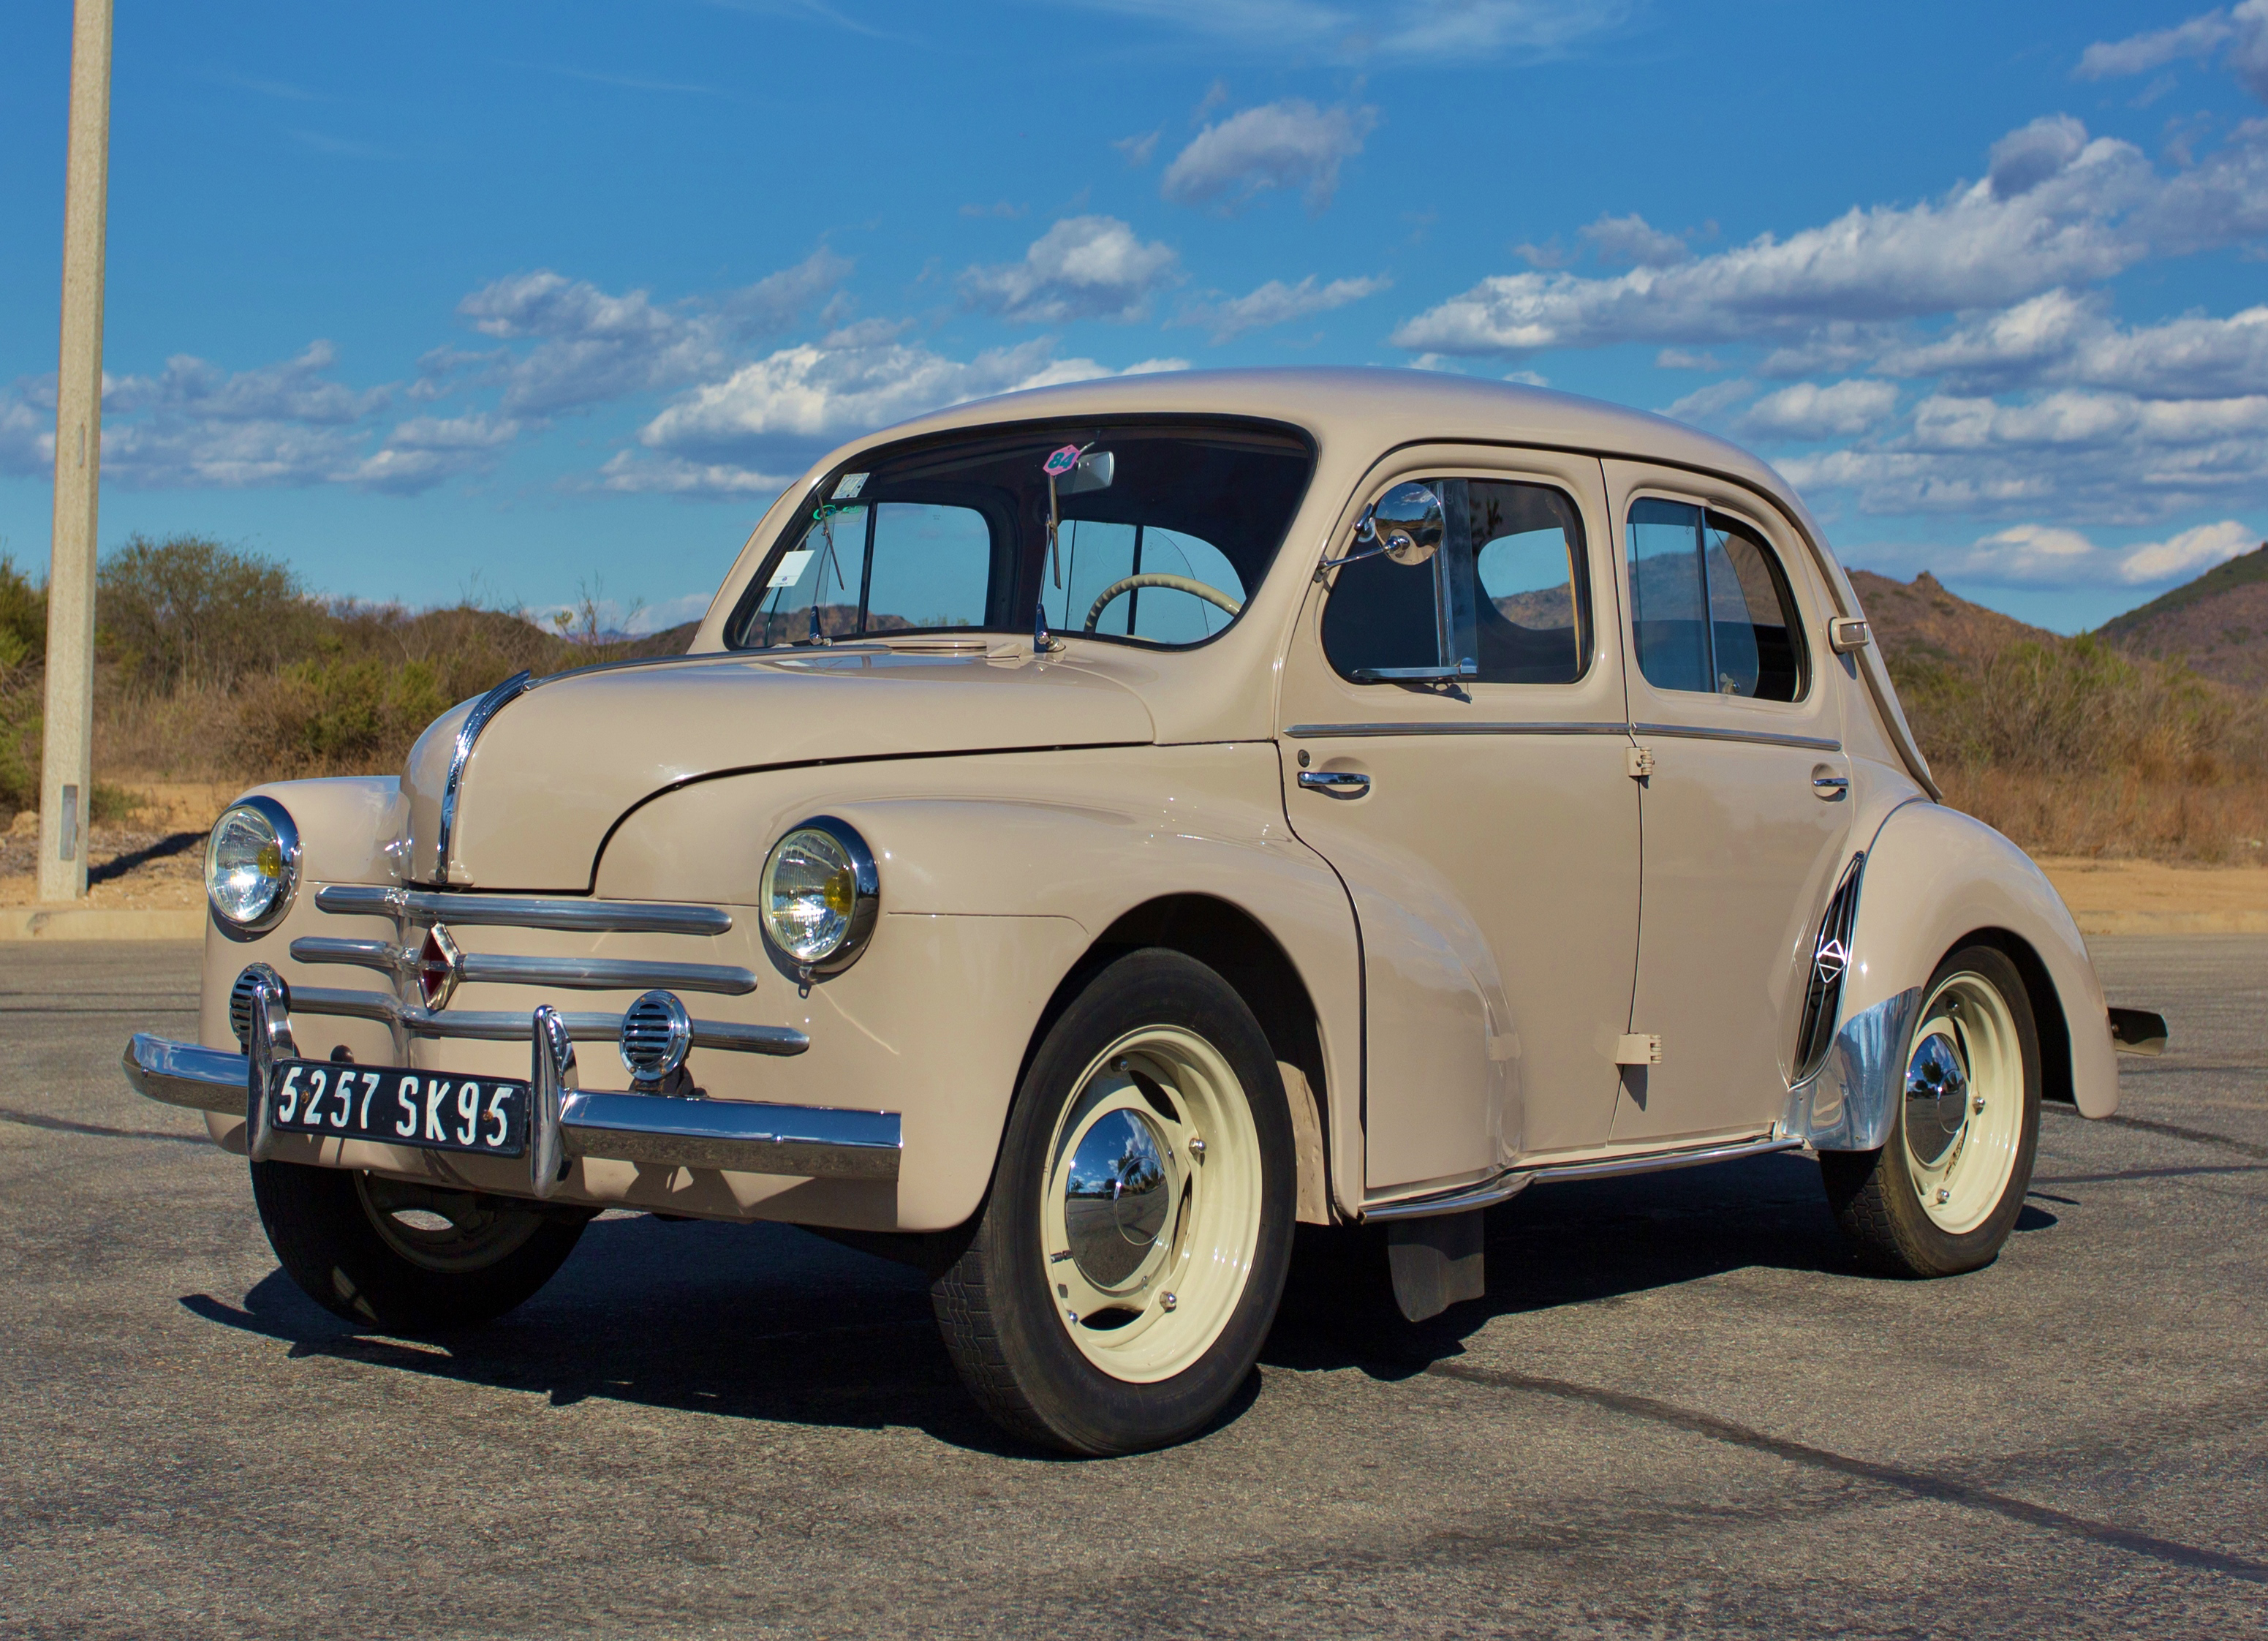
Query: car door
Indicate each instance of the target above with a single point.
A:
(1485, 826)
(1745, 806)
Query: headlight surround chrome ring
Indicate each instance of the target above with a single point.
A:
(820, 896)
(252, 865)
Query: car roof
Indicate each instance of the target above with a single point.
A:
(1377, 407)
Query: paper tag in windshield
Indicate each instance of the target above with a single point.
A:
(848, 485)
(791, 568)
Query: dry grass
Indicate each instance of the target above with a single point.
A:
(2116, 815)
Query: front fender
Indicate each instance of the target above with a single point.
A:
(1933, 878)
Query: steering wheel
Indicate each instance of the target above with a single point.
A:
(1172, 583)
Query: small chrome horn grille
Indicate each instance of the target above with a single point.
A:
(657, 1035)
(239, 1000)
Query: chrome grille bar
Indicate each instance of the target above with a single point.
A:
(504, 1026)
(585, 975)
(606, 917)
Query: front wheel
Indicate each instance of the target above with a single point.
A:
(411, 1258)
(1942, 1196)
(1126, 1266)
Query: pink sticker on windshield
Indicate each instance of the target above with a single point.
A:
(1062, 461)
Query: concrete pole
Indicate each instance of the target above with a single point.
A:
(66, 770)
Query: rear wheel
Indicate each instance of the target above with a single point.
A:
(1942, 1196)
(1127, 1264)
(411, 1258)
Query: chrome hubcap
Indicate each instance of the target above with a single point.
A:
(1962, 1117)
(1117, 1199)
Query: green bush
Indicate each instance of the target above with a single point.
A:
(189, 610)
(23, 617)
(337, 715)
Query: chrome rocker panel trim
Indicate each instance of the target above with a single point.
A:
(506, 1026)
(1512, 1181)
(804, 1141)
(590, 975)
(1851, 1102)
(596, 917)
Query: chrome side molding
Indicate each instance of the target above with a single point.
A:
(1512, 1181)
(801, 1142)
(589, 975)
(469, 731)
(1849, 1102)
(554, 912)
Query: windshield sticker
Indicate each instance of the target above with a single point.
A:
(791, 568)
(850, 486)
(1063, 461)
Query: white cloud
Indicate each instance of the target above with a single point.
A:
(1287, 145)
(1683, 359)
(2138, 53)
(2244, 30)
(2064, 338)
(2031, 154)
(732, 435)
(592, 345)
(1704, 405)
(628, 474)
(1806, 410)
(1137, 148)
(1357, 30)
(421, 452)
(1082, 267)
(1275, 303)
(2045, 555)
(1978, 246)
(1632, 240)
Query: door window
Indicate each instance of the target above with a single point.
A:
(1513, 556)
(1711, 608)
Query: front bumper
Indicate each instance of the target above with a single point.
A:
(805, 1141)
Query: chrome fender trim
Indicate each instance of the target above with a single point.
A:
(1851, 1102)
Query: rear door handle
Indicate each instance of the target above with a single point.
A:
(1335, 783)
(1827, 785)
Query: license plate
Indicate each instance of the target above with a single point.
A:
(434, 1111)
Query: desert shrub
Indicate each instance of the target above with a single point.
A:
(336, 715)
(187, 609)
(20, 721)
(23, 617)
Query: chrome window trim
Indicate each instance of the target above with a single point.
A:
(510, 1025)
(489, 968)
(603, 917)
(1313, 732)
(1757, 737)
(468, 732)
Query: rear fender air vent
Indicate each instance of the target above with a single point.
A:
(1831, 960)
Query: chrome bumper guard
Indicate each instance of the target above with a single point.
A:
(564, 1122)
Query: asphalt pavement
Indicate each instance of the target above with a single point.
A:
(1679, 1411)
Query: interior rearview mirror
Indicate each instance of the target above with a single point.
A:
(1093, 472)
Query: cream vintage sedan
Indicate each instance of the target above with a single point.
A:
(1098, 830)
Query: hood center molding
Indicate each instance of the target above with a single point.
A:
(475, 721)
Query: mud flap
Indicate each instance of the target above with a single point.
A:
(1436, 1261)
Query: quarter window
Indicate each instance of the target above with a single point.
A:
(1711, 610)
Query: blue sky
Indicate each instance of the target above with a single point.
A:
(520, 301)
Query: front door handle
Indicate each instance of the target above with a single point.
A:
(1336, 783)
(1828, 786)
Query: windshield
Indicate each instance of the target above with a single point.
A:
(1148, 533)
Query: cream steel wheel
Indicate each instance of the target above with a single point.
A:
(1151, 1212)
(1117, 1286)
(1942, 1196)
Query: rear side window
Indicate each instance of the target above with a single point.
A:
(1711, 608)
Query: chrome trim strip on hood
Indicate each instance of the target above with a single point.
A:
(468, 732)
(597, 917)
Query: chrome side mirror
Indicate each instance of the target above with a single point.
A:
(1406, 525)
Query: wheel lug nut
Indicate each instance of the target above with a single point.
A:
(1943, 1196)
(1977, 1103)
(1166, 1301)
(1197, 1146)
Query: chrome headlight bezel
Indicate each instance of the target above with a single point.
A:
(865, 905)
(278, 821)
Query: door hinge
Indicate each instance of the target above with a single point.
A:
(1639, 1048)
(1641, 762)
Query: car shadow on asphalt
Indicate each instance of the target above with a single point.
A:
(771, 1323)
(1557, 1247)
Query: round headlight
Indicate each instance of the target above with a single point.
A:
(820, 895)
(251, 864)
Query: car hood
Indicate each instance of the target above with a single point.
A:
(559, 765)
